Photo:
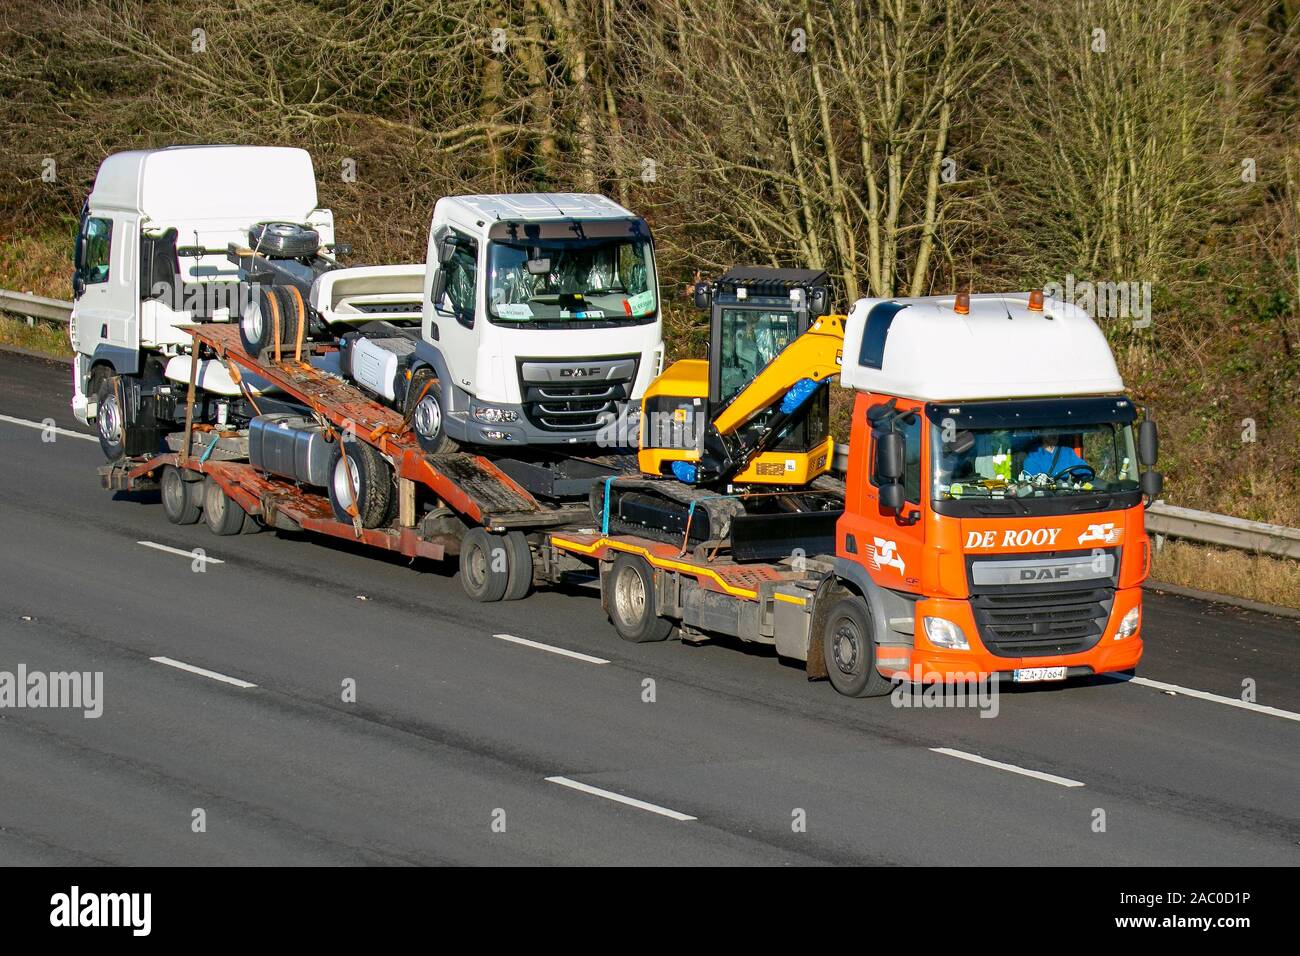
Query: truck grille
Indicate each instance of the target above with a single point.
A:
(1044, 622)
(574, 394)
(1045, 618)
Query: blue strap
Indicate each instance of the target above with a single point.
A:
(209, 449)
(604, 516)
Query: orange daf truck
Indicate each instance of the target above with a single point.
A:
(990, 517)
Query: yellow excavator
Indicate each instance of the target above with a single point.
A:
(734, 448)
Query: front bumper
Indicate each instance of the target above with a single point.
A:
(466, 428)
(926, 662)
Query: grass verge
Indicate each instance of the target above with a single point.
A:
(1255, 577)
(42, 337)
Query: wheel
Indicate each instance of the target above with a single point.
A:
(110, 419)
(180, 498)
(631, 601)
(484, 565)
(262, 317)
(224, 516)
(424, 407)
(294, 310)
(283, 240)
(361, 480)
(519, 560)
(850, 650)
(274, 310)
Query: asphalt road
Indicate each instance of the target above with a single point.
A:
(445, 755)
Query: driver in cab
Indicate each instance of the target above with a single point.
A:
(1052, 459)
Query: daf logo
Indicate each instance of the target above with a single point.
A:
(1044, 574)
(579, 372)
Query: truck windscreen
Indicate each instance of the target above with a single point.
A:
(1026, 455)
(605, 280)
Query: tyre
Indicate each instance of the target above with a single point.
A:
(294, 310)
(261, 321)
(222, 513)
(424, 409)
(110, 416)
(360, 481)
(849, 648)
(275, 312)
(283, 240)
(519, 558)
(180, 498)
(631, 601)
(484, 565)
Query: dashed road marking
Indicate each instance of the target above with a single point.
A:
(547, 647)
(202, 672)
(619, 798)
(181, 551)
(43, 427)
(1012, 768)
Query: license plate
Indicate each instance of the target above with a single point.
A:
(1028, 675)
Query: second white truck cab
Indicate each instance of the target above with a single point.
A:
(539, 320)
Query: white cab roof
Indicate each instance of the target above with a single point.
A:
(1000, 349)
(535, 206)
(196, 183)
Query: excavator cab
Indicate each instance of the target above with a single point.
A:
(721, 421)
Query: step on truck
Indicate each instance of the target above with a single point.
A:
(990, 521)
(534, 321)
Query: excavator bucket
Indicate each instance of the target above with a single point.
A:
(771, 537)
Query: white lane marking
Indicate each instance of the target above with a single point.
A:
(181, 551)
(1036, 774)
(619, 798)
(547, 647)
(1203, 695)
(181, 665)
(42, 426)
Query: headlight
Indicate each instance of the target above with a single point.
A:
(1129, 625)
(487, 413)
(942, 632)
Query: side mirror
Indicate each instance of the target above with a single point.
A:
(1151, 483)
(446, 249)
(703, 296)
(892, 496)
(78, 285)
(439, 286)
(889, 459)
(1148, 444)
(819, 301)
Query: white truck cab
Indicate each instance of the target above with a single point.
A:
(539, 317)
(151, 255)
